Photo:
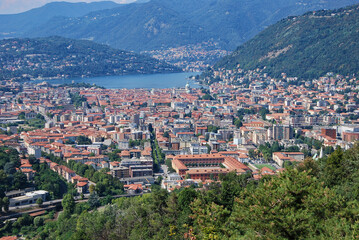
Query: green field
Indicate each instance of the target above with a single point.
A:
(260, 166)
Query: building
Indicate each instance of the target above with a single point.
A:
(133, 188)
(281, 157)
(197, 149)
(120, 172)
(206, 166)
(82, 187)
(28, 198)
(281, 132)
(140, 171)
(201, 130)
(350, 136)
(36, 151)
(206, 173)
(329, 132)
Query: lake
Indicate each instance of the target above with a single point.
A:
(165, 80)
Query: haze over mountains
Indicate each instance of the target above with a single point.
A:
(160, 23)
(18, 24)
(306, 46)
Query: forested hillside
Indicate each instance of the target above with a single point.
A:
(57, 57)
(312, 200)
(307, 46)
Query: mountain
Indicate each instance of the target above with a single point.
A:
(306, 46)
(129, 27)
(17, 24)
(172, 23)
(234, 22)
(56, 57)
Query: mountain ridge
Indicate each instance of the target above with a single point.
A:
(306, 46)
(58, 57)
(178, 22)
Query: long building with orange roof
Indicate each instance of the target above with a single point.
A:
(206, 166)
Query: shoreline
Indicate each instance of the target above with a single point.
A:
(132, 81)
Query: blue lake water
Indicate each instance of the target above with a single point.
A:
(166, 80)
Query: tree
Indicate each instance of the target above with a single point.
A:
(209, 149)
(238, 123)
(150, 128)
(33, 159)
(38, 221)
(207, 97)
(20, 180)
(251, 154)
(39, 202)
(310, 166)
(212, 128)
(185, 197)
(210, 219)
(286, 207)
(232, 185)
(68, 204)
(21, 116)
(6, 203)
(83, 140)
(276, 147)
(25, 220)
(92, 188)
(293, 149)
(166, 135)
(94, 200)
(334, 171)
(9, 168)
(70, 142)
(263, 112)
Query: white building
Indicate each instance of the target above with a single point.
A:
(28, 198)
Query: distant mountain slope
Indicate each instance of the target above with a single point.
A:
(17, 24)
(131, 27)
(172, 23)
(55, 57)
(306, 46)
(237, 21)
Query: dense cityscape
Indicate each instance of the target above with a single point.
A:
(112, 142)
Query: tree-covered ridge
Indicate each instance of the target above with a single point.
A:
(313, 200)
(55, 57)
(307, 46)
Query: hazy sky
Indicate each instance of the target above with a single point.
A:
(16, 6)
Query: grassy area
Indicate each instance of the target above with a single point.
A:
(260, 166)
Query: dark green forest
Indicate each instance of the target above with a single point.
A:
(312, 200)
(307, 46)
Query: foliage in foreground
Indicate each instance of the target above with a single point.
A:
(315, 200)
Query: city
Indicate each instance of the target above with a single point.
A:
(258, 128)
(262, 142)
